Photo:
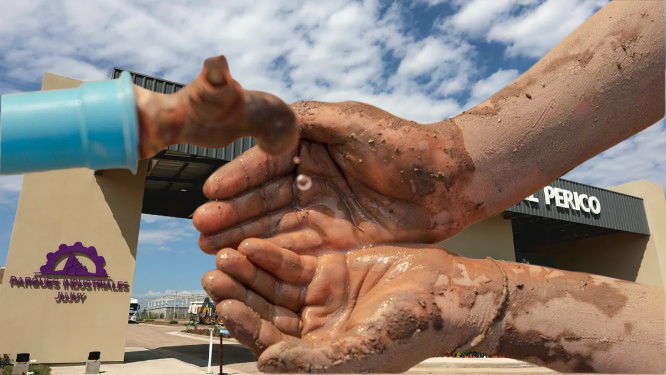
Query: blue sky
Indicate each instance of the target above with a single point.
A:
(424, 60)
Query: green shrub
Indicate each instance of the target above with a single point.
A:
(5, 361)
(470, 354)
(173, 322)
(149, 320)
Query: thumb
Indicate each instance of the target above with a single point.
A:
(271, 122)
(352, 353)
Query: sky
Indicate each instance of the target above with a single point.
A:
(424, 60)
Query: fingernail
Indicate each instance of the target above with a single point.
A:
(215, 70)
(209, 281)
(215, 77)
(246, 248)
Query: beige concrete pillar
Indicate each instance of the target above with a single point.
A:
(66, 207)
(653, 265)
(492, 237)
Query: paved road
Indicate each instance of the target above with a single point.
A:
(166, 341)
(194, 349)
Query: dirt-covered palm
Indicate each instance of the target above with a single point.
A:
(375, 179)
(383, 308)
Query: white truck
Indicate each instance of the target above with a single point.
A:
(133, 310)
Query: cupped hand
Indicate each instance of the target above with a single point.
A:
(212, 111)
(379, 309)
(375, 178)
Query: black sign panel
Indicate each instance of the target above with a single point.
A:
(580, 203)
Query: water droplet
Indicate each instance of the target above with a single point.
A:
(296, 160)
(303, 182)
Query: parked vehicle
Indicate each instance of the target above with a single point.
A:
(133, 310)
(206, 312)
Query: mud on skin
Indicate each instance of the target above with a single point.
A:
(611, 316)
(369, 310)
(212, 111)
(363, 190)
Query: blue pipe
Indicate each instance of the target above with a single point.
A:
(93, 126)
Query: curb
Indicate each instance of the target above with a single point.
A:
(216, 339)
(473, 363)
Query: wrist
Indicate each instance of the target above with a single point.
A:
(161, 120)
(490, 332)
(475, 295)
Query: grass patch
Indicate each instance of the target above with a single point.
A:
(37, 369)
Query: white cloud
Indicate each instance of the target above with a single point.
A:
(159, 239)
(435, 2)
(324, 47)
(535, 32)
(300, 49)
(163, 233)
(10, 188)
(528, 28)
(640, 157)
(485, 88)
(11, 183)
(476, 16)
(149, 219)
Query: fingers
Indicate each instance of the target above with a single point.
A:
(220, 92)
(293, 226)
(261, 227)
(217, 70)
(283, 264)
(267, 118)
(271, 122)
(251, 169)
(248, 327)
(351, 352)
(277, 292)
(304, 241)
(221, 286)
(219, 215)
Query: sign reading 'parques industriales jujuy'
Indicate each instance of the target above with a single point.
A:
(74, 279)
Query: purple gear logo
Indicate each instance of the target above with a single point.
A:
(73, 267)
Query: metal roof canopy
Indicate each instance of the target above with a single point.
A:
(177, 174)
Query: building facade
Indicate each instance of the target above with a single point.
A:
(175, 306)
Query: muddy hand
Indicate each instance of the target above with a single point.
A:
(213, 111)
(370, 310)
(375, 178)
